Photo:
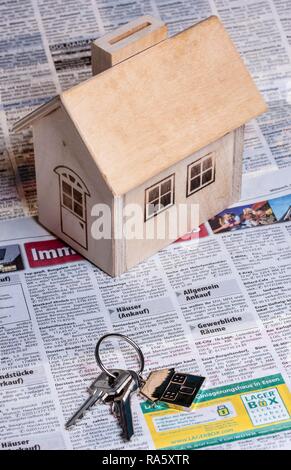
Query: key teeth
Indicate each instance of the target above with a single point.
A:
(112, 409)
(124, 436)
(71, 422)
(128, 383)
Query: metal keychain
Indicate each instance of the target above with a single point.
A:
(115, 387)
(129, 341)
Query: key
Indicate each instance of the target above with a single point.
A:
(176, 389)
(104, 388)
(121, 407)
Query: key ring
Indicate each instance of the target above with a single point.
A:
(128, 340)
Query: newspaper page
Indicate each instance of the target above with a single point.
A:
(216, 304)
(45, 48)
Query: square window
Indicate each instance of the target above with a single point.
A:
(166, 200)
(166, 187)
(195, 170)
(78, 196)
(159, 197)
(200, 173)
(67, 201)
(195, 184)
(207, 163)
(67, 188)
(153, 194)
(78, 209)
(207, 176)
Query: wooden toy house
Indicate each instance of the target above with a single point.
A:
(159, 124)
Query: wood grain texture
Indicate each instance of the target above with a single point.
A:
(126, 41)
(156, 108)
(237, 163)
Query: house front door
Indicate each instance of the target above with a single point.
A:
(73, 209)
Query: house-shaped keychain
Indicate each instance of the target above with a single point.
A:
(160, 124)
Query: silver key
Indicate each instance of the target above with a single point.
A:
(102, 389)
(121, 408)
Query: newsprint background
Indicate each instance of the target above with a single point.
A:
(217, 304)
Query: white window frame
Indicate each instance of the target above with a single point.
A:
(200, 162)
(157, 201)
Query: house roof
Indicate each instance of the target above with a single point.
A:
(158, 107)
(37, 113)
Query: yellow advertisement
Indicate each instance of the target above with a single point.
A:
(224, 414)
